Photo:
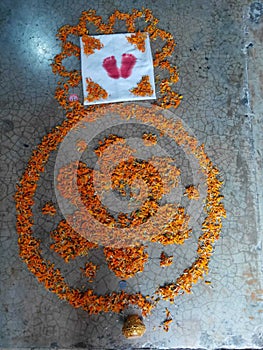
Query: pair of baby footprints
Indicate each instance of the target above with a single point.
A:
(127, 63)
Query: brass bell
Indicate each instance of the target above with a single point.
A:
(133, 327)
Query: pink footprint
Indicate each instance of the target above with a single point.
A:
(127, 63)
(109, 64)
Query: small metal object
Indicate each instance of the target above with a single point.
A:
(133, 327)
(123, 284)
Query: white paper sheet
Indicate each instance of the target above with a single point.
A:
(116, 47)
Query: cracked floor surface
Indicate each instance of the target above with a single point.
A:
(219, 58)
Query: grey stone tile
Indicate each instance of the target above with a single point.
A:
(219, 57)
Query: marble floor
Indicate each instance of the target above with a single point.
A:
(219, 56)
